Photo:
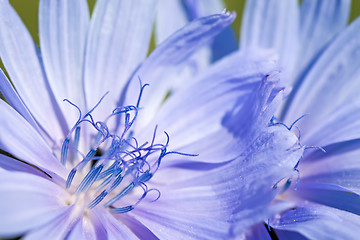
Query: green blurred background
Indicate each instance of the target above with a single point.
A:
(28, 10)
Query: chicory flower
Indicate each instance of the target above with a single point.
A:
(89, 151)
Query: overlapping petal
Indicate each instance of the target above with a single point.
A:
(28, 201)
(334, 74)
(169, 58)
(63, 26)
(319, 22)
(272, 24)
(227, 82)
(20, 139)
(315, 222)
(118, 39)
(13, 98)
(23, 63)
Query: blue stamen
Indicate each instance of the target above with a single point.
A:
(88, 157)
(89, 179)
(70, 178)
(102, 195)
(146, 176)
(64, 151)
(98, 199)
(121, 210)
(77, 137)
(125, 191)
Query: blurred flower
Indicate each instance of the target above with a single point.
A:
(85, 155)
(319, 56)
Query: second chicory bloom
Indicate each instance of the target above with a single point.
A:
(319, 58)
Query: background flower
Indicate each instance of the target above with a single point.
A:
(319, 59)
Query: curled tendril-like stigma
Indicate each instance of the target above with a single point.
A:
(124, 163)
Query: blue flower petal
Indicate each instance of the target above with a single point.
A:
(347, 178)
(169, 57)
(201, 206)
(57, 229)
(62, 30)
(335, 73)
(167, 221)
(89, 227)
(319, 22)
(13, 98)
(28, 201)
(315, 223)
(20, 57)
(331, 195)
(284, 235)
(341, 125)
(17, 137)
(118, 40)
(125, 227)
(257, 232)
(11, 164)
(272, 24)
(170, 17)
(226, 83)
(224, 43)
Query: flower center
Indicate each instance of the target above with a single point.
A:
(115, 170)
(116, 163)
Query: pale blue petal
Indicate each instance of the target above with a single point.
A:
(348, 178)
(335, 73)
(315, 223)
(334, 150)
(320, 21)
(56, 229)
(167, 221)
(261, 211)
(225, 42)
(170, 17)
(272, 24)
(257, 232)
(90, 227)
(285, 235)
(11, 164)
(196, 9)
(20, 57)
(20, 139)
(124, 229)
(76, 232)
(331, 195)
(118, 41)
(28, 201)
(169, 58)
(226, 83)
(62, 30)
(239, 190)
(341, 125)
(15, 101)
